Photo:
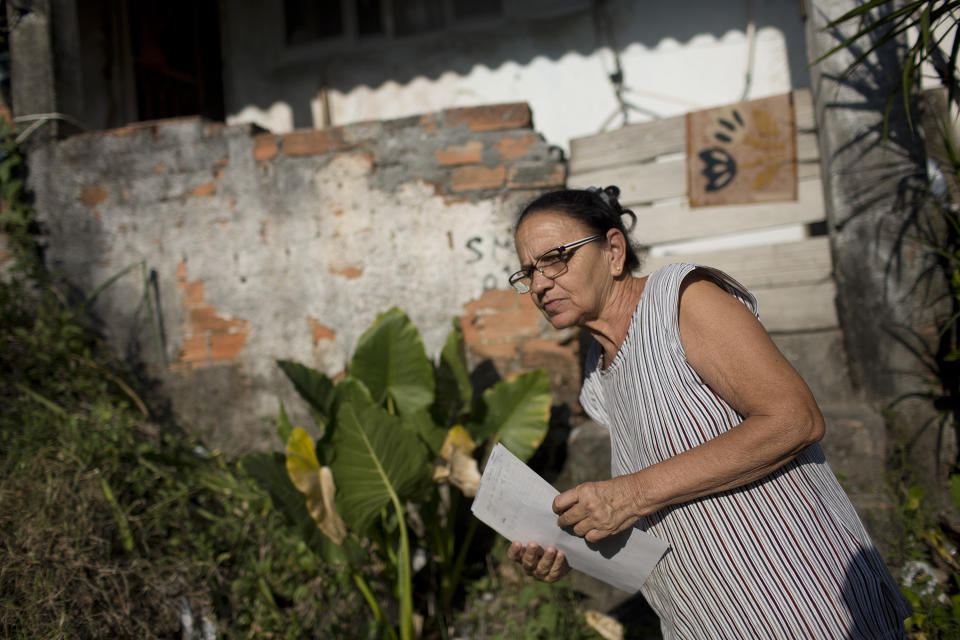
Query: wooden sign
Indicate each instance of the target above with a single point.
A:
(742, 153)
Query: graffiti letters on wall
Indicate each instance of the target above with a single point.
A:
(497, 254)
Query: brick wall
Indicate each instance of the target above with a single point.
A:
(257, 246)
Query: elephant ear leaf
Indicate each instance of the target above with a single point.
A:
(284, 426)
(516, 413)
(314, 387)
(391, 361)
(315, 483)
(377, 461)
(454, 389)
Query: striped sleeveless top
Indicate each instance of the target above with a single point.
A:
(782, 557)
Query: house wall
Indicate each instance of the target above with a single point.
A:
(559, 61)
(232, 248)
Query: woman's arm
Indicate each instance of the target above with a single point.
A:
(732, 353)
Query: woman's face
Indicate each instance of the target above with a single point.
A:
(576, 296)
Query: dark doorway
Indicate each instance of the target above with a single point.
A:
(176, 55)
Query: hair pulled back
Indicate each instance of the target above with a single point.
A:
(597, 209)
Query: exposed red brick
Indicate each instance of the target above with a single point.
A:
(537, 177)
(495, 351)
(122, 131)
(193, 293)
(350, 273)
(525, 302)
(540, 352)
(320, 331)
(226, 346)
(466, 153)
(494, 300)
(160, 168)
(514, 147)
(194, 349)
(208, 336)
(509, 325)
(492, 117)
(203, 190)
(561, 361)
(265, 146)
(428, 122)
(471, 329)
(311, 142)
(92, 196)
(472, 178)
(205, 318)
(221, 163)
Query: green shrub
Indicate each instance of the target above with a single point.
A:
(396, 452)
(116, 526)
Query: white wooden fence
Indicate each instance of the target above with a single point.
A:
(793, 280)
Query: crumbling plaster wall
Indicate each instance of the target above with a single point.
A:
(259, 246)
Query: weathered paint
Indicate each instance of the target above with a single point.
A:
(258, 247)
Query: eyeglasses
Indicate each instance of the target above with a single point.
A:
(550, 264)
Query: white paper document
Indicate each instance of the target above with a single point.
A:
(517, 503)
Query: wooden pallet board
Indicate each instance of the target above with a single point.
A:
(644, 142)
(653, 181)
(805, 308)
(677, 222)
(768, 266)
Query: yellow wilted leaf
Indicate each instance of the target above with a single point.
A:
(315, 483)
(456, 464)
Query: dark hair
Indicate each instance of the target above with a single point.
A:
(597, 209)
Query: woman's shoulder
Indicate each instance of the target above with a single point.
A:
(666, 280)
(670, 279)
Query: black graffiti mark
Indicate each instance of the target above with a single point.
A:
(476, 246)
(719, 168)
(470, 245)
(729, 126)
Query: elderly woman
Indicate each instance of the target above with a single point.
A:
(713, 440)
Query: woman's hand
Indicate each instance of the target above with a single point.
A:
(545, 565)
(596, 510)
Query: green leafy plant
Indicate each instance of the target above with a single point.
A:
(927, 31)
(116, 525)
(930, 577)
(930, 22)
(16, 214)
(398, 448)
